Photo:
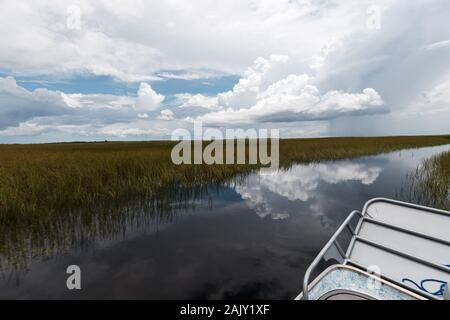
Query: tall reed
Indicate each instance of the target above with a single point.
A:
(429, 183)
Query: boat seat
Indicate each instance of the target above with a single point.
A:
(405, 243)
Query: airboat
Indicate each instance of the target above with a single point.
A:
(392, 250)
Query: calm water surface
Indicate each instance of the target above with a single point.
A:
(250, 239)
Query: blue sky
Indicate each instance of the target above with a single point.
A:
(139, 70)
(91, 84)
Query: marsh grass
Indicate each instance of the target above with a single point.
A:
(429, 183)
(54, 197)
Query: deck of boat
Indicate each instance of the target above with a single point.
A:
(406, 245)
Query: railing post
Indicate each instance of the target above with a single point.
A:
(322, 252)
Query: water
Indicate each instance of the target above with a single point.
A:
(252, 239)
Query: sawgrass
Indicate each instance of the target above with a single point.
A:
(429, 183)
(54, 197)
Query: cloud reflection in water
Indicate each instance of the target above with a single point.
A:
(300, 183)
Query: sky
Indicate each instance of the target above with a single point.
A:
(139, 70)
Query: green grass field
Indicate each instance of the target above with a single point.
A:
(36, 178)
(48, 191)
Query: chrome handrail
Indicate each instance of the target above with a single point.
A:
(324, 250)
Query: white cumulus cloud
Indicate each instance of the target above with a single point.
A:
(268, 93)
(166, 114)
(18, 104)
(148, 99)
(186, 100)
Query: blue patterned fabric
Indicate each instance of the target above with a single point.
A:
(346, 279)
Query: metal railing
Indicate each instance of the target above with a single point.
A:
(332, 241)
